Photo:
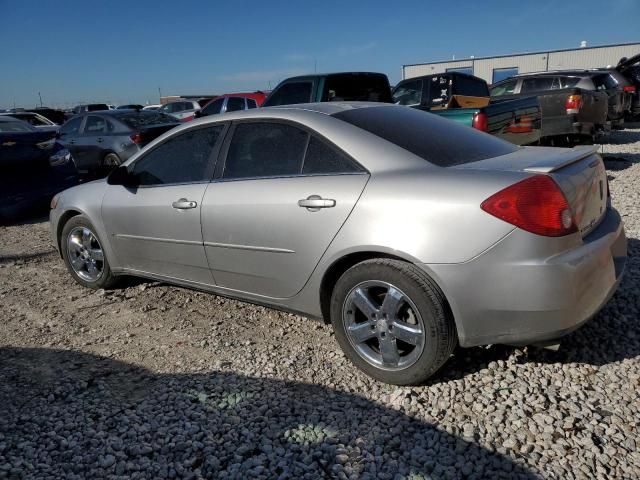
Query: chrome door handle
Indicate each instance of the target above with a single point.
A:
(184, 204)
(315, 202)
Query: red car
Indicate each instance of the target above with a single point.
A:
(230, 102)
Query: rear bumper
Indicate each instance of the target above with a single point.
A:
(504, 297)
(566, 125)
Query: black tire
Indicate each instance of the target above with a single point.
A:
(106, 279)
(440, 337)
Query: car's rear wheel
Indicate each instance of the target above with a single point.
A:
(83, 254)
(392, 321)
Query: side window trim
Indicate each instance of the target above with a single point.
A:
(214, 156)
(224, 151)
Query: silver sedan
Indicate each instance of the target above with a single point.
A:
(411, 234)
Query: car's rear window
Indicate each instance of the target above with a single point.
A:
(146, 119)
(356, 87)
(94, 107)
(439, 141)
(15, 127)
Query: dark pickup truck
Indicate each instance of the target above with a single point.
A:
(517, 121)
(465, 99)
(571, 114)
(331, 87)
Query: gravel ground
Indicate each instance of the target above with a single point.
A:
(154, 381)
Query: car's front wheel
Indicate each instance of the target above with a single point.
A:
(83, 254)
(392, 321)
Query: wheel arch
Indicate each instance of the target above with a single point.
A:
(64, 218)
(345, 262)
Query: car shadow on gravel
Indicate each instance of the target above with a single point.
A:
(616, 164)
(69, 414)
(621, 137)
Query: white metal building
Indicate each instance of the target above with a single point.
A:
(494, 69)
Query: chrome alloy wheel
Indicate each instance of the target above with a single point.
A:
(383, 325)
(85, 254)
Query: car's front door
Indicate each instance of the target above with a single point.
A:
(89, 144)
(68, 137)
(273, 210)
(155, 228)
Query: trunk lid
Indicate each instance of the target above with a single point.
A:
(152, 132)
(579, 172)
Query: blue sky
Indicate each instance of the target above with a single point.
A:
(122, 51)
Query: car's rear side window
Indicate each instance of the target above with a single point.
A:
(439, 141)
(470, 86)
(325, 160)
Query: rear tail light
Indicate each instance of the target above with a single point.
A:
(573, 104)
(137, 138)
(535, 204)
(480, 122)
(629, 88)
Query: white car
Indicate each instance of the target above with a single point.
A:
(183, 110)
(152, 107)
(34, 119)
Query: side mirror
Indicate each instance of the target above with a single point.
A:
(58, 135)
(197, 114)
(122, 176)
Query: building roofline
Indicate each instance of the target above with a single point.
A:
(469, 59)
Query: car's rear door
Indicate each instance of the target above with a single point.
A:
(155, 228)
(279, 199)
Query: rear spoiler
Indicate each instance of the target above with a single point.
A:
(565, 158)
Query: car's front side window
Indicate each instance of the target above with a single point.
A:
(504, 88)
(214, 107)
(265, 150)
(184, 158)
(96, 125)
(409, 93)
(71, 127)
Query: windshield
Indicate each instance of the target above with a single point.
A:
(146, 119)
(439, 141)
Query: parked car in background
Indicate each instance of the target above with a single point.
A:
(91, 107)
(630, 69)
(130, 106)
(465, 99)
(411, 234)
(152, 107)
(573, 111)
(332, 87)
(56, 116)
(183, 110)
(27, 179)
(232, 102)
(100, 141)
(34, 119)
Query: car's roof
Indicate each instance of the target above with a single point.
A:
(566, 73)
(328, 108)
(320, 75)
